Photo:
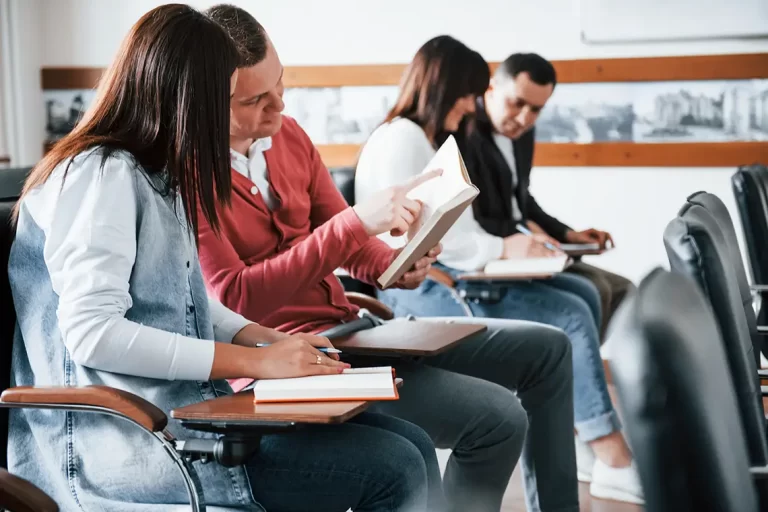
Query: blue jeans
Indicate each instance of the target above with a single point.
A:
(373, 462)
(551, 302)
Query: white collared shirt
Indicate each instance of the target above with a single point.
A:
(507, 151)
(254, 167)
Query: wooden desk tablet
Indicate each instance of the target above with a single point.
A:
(239, 409)
(408, 338)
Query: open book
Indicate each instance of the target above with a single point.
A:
(443, 199)
(522, 268)
(354, 384)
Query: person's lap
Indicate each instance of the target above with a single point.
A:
(370, 463)
(537, 302)
(465, 399)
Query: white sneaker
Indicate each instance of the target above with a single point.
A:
(585, 460)
(618, 484)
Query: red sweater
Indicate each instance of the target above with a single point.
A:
(276, 267)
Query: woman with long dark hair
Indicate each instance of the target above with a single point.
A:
(438, 92)
(108, 291)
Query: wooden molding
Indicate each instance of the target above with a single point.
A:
(635, 69)
(610, 154)
(5, 159)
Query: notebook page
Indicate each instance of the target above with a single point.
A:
(527, 265)
(317, 383)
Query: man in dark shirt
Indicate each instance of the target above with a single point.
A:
(499, 154)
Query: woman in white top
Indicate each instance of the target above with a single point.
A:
(436, 94)
(108, 290)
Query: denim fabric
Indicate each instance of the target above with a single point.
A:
(535, 301)
(91, 461)
(332, 468)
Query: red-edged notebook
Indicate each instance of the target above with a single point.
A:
(357, 384)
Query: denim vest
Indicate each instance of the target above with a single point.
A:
(88, 461)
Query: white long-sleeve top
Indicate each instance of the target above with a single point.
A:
(90, 249)
(396, 152)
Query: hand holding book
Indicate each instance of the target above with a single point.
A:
(392, 210)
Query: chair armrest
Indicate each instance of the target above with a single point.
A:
(105, 398)
(376, 307)
(760, 288)
(762, 329)
(441, 277)
(759, 472)
(18, 495)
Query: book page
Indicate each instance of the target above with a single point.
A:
(549, 265)
(436, 192)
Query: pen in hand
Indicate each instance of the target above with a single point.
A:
(527, 232)
(324, 350)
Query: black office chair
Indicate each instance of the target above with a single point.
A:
(697, 248)
(750, 188)
(678, 400)
(236, 445)
(719, 211)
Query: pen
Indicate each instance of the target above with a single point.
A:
(527, 232)
(324, 350)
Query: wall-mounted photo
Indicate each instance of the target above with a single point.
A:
(63, 109)
(339, 115)
(695, 111)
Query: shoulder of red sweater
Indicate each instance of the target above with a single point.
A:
(290, 133)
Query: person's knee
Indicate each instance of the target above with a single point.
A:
(557, 351)
(404, 475)
(503, 423)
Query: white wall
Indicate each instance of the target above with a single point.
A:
(634, 204)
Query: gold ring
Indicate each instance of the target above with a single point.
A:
(319, 359)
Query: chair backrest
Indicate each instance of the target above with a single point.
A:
(11, 181)
(678, 400)
(344, 178)
(719, 211)
(750, 188)
(697, 248)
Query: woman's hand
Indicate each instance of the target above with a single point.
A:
(293, 356)
(296, 356)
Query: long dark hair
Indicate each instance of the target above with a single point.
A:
(164, 100)
(442, 71)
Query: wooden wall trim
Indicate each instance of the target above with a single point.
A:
(635, 69)
(5, 159)
(610, 154)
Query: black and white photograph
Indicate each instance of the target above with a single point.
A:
(339, 115)
(695, 111)
(63, 109)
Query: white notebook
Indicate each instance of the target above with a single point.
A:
(444, 198)
(354, 384)
(580, 247)
(521, 268)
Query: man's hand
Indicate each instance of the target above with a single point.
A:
(418, 273)
(589, 236)
(390, 210)
(523, 246)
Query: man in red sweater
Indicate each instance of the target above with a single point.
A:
(288, 228)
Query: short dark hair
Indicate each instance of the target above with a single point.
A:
(538, 68)
(247, 33)
(165, 100)
(442, 71)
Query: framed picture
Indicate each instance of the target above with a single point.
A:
(692, 111)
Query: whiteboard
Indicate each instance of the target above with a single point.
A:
(605, 21)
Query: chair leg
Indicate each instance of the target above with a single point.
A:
(188, 473)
